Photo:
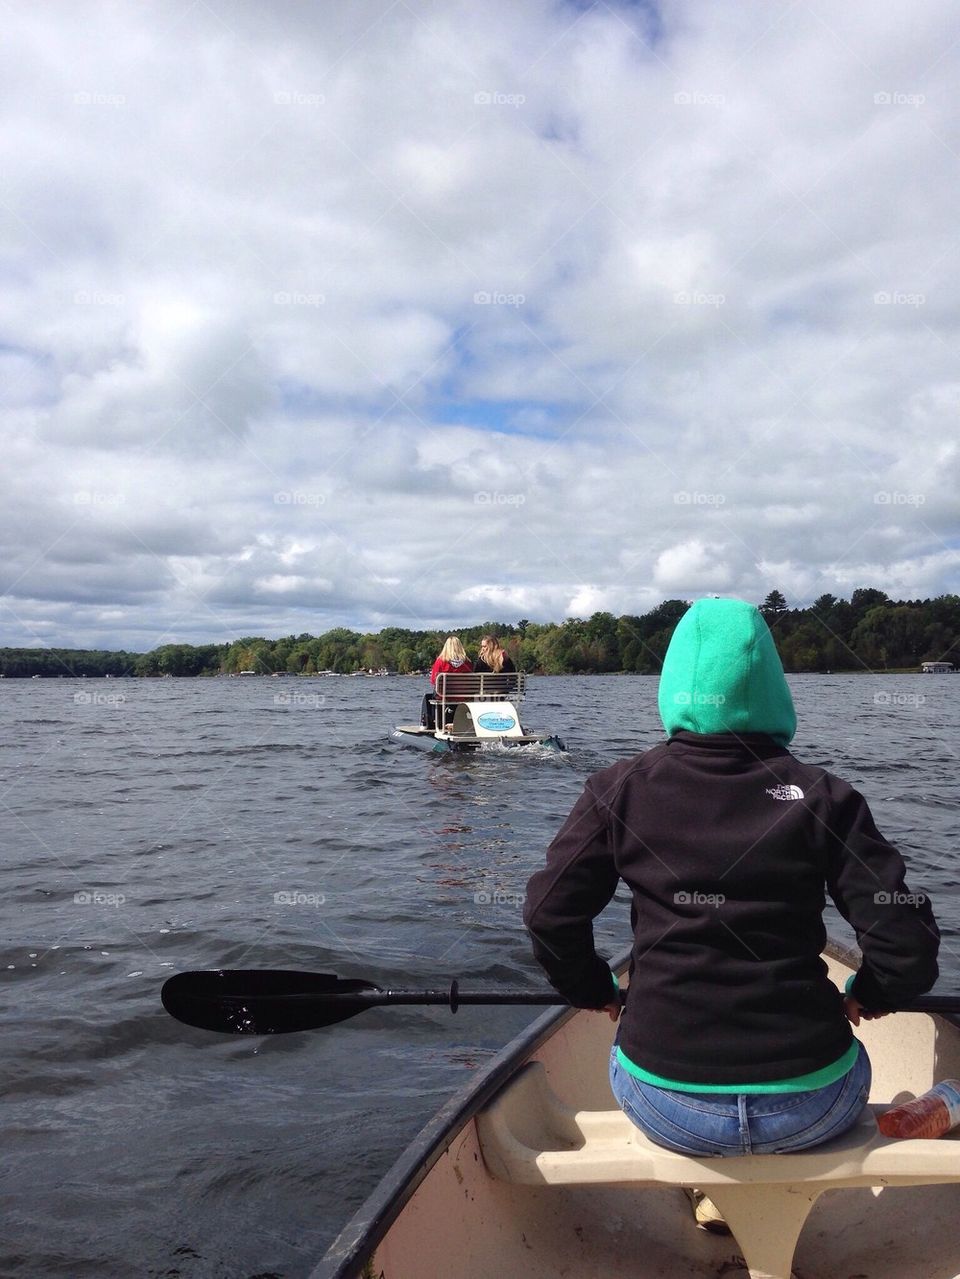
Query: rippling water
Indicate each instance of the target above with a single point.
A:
(148, 827)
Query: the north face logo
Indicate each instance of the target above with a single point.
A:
(785, 792)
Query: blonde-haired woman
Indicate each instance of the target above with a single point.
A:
(453, 658)
(493, 657)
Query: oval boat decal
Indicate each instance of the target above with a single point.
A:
(495, 723)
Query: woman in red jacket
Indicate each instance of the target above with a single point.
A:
(452, 658)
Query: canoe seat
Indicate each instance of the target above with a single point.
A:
(529, 1136)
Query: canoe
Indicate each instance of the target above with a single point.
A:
(532, 1172)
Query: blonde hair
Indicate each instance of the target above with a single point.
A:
(453, 650)
(492, 653)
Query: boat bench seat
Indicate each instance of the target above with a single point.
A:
(480, 686)
(529, 1136)
(454, 687)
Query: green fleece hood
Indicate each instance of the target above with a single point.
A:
(722, 674)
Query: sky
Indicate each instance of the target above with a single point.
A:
(423, 314)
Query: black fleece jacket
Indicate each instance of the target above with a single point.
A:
(728, 844)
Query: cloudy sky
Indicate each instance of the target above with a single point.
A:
(401, 312)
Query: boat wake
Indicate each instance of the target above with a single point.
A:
(532, 750)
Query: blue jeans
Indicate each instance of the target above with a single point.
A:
(698, 1123)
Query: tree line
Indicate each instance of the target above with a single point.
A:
(867, 632)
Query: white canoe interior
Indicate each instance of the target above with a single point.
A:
(550, 1179)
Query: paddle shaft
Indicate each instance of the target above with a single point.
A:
(453, 998)
(932, 1004)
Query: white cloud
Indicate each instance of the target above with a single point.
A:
(691, 564)
(535, 310)
(280, 584)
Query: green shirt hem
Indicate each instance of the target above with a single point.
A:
(799, 1083)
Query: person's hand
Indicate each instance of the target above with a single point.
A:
(613, 1011)
(855, 1010)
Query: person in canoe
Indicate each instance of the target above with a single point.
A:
(493, 657)
(733, 1040)
(452, 657)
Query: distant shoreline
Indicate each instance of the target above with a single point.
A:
(869, 633)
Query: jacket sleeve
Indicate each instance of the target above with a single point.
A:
(896, 930)
(562, 900)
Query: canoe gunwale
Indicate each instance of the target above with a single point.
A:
(358, 1241)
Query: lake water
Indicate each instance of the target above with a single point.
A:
(149, 825)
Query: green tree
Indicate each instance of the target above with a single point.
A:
(774, 605)
(865, 598)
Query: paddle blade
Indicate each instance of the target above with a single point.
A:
(262, 1001)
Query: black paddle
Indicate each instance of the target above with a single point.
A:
(260, 1001)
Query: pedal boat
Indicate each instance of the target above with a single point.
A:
(472, 711)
